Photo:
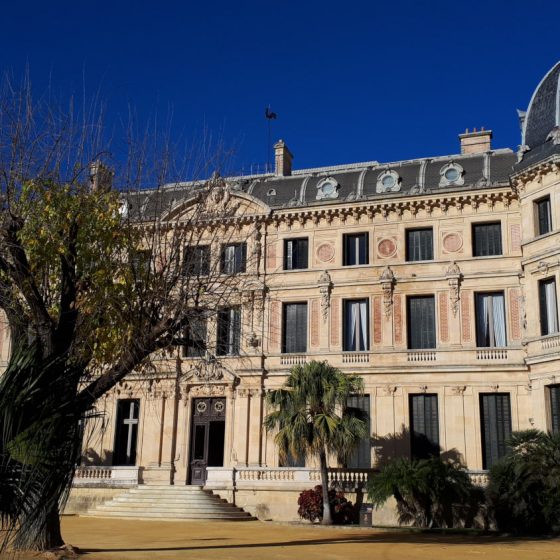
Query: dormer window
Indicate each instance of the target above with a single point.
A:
(327, 189)
(388, 181)
(451, 174)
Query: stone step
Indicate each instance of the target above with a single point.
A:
(171, 510)
(179, 500)
(149, 515)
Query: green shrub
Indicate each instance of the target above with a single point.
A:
(310, 504)
(429, 492)
(524, 487)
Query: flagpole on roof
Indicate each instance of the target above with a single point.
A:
(270, 116)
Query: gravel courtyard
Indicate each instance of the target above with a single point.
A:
(113, 539)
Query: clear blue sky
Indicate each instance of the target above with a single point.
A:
(350, 81)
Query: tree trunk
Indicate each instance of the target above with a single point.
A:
(327, 515)
(46, 537)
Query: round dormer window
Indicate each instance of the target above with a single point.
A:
(388, 181)
(327, 188)
(451, 174)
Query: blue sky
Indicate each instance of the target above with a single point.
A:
(351, 81)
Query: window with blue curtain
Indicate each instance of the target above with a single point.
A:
(548, 306)
(356, 319)
(490, 319)
(419, 244)
(234, 257)
(421, 322)
(356, 246)
(296, 254)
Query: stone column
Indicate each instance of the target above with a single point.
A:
(255, 427)
(240, 439)
(183, 429)
(230, 427)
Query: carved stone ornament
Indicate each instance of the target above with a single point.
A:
(208, 391)
(390, 390)
(325, 287)
(554, 135)
(454, 276)
(387, 285)
(208, 370)
(459, 390)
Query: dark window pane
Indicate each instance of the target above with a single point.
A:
(356, 249)
(199, 437)
(126, 432)
(421, 322)
(234, 258)
(419, 244)
(554, 394)
(424, 426)
(544, 217)
(487, 239)
(196, 331)
(361, 457)
(295, 254)
(197, 260)
(294, 332)
(495, 417)
(229, 331)
(356, 325)
(548, 306)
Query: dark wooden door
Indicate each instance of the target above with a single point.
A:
(207, 437)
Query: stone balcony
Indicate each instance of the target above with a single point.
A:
(543, 348)
(106, 476)
(472, 359)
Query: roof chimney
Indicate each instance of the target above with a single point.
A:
(475, 142)
(282, 159)
(100, 176)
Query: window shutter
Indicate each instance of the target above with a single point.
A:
(361, 456)
(222, 332)
(301, 327)
(424, 426)
(542, 308)
(495, 413)
(235, 326)
(421, 322)
(302, 257)
(295, 328)
(554, 394)
(364, 246)
(289, 255)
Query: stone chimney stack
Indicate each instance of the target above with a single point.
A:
(476, 142)
(282, 159)
(100, 176)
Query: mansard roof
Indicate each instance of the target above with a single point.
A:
(357, 181)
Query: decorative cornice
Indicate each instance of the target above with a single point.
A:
(520, 179)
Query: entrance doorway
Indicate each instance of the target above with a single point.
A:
(207, 437)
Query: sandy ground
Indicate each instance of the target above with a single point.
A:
(110, 539)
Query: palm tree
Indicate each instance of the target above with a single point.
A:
(312, 419)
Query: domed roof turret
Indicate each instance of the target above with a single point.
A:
(541, 124)
(543, 113)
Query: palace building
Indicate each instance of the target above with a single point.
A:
(434, 279)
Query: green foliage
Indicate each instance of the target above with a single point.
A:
(429, 492)
(524, 487)
(310, 504)
(311, 415)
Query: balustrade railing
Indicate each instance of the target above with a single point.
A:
(293, 359)
(421, 356)
(491, 354)
(106, 476)
(550, 342)
(355, 358)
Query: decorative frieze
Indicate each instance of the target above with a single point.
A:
(325, 252)
(387, 279)
(325, 287)
(454, 276)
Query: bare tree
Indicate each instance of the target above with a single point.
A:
(95, 283)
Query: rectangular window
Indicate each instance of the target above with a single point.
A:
(195, 336)
(126, 432)
(424, 426)
(356, 247)
(548, 306)
(495, 423)
(229, 331)
(419, 244)
(487, 239)
(196, 260)
(294, 332)
(544, 216)
(234, 257)
(361, 456)
(421, 322)
(554, 399)
(355, 328)
(490, 319)
(295, 254)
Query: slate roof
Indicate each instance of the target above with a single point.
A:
(300, 189)
(543, 115)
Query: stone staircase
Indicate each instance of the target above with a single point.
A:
(171, 503)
